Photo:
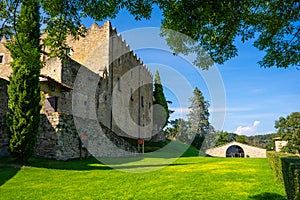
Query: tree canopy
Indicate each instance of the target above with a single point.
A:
(63, 18)
(289, 129)
(211, 26)
(215, 25)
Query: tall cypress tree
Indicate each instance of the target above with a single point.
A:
(159, 98)
(24, 93)
(198, 118)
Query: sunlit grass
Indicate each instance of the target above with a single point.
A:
(186, 178)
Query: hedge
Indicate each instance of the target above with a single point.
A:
(286, 168)
(291, 177)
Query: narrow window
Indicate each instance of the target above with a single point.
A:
(131, 73)
(119, 84)
(44, 57)
(131, 94)
(1, 59)
(142, 101)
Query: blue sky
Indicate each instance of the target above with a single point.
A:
(254, 97)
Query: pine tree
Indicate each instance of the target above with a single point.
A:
(159, 98)
(24, 93)
(198, 118)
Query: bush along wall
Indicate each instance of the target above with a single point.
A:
(291, 177)
(286, 169)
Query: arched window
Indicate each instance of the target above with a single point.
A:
(235, 151)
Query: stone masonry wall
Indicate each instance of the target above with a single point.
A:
(131, 90)
(58, 138)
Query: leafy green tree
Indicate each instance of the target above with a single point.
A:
(198, 118)
(242, 139)
(222, 138)
(23, 90)
(160, 115)
(215, 25)
(289, 129)
(178, 130)
(63, 18)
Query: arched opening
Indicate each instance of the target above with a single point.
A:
(235, 151)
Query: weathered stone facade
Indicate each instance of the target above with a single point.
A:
(247, 151)
(102, 85)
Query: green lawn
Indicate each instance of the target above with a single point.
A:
(187, 178)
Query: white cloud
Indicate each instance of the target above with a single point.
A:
(256, 123)
(248, 130)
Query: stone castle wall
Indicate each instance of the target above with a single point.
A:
(110, 77)
(131, 93)
(92, 51)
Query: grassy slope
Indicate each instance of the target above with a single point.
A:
(186, 178)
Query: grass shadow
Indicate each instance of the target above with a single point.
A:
(7, 172)
(7, 169)
(268, 196)
(90, 164)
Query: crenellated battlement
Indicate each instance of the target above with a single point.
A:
(120, 48)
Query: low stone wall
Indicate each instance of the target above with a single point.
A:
(58, 138)
(101, 141)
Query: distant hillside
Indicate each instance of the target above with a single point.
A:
(264, 141)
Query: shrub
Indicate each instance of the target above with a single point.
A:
(286, 168)
(275, 162)
(291, 177)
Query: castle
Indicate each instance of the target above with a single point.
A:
(100, 95)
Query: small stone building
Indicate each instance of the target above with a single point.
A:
(236, 149)
(279, 144)
(101, 94)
